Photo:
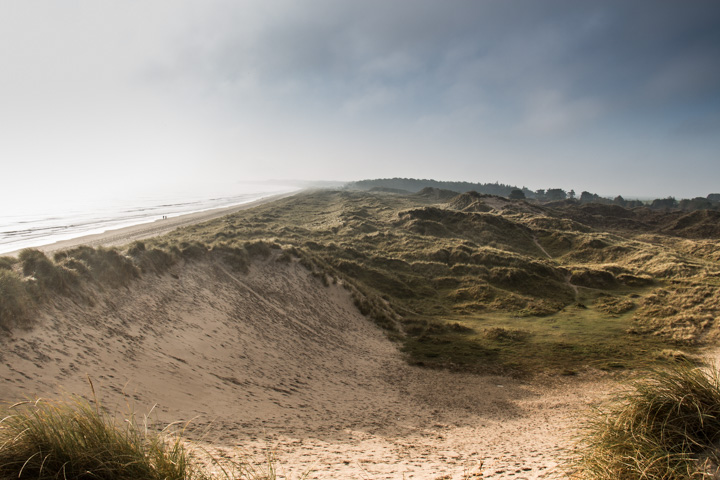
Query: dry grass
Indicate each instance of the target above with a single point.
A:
(614, 305)
(666, 426)
(15, 302)
(412, 257)
(78, 439)
(684, 312)
(47, 275)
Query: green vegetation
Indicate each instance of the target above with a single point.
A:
(438, 272)
(469, 282)
(76, 440)
(16, 303)
(466, 282)
(666, 426)
(411, 185)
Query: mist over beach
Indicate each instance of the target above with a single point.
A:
(31, 224)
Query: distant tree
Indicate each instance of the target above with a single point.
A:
(619, 200)
(714, 197)
(555, 194)
(571, 194)
(664, 203)
(586, 197)
(415, 185)
(697, 203)
(517, 195)
(540, 194)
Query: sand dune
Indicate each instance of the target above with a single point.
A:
(273, 358)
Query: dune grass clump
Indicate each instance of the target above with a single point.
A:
(237, 258)
(153, 260)
(15, 302)
(105, 265)
(47, 274)
(193, 250)
(77, 440)
(259, 248)
(6, 263)
(660, 429)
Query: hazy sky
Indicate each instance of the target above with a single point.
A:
(105, 97)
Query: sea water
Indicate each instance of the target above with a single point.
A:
(23, 226)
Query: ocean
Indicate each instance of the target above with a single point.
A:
(23, 227)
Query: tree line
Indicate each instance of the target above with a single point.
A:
(413, 185)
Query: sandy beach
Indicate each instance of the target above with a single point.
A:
(125, 235)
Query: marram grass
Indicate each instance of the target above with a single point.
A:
(77, 440)
(666, 426)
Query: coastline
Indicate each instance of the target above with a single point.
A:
(125, 235)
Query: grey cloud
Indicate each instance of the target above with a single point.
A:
(430, 55)
(507, 79)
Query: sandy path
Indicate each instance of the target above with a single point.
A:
(300, 372)
(448, 426)
(541, 248)
(123, 236)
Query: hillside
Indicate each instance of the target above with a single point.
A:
(271, 357)
(471, 282)
(280, 322)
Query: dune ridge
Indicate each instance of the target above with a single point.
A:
(273, 357)
(242, 325)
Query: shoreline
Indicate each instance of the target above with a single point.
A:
(141, 231)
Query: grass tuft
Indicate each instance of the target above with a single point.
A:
(78, 440)
(193, 250)
(7, 263)
(48, 275)
(106, 265)
(259, 248)
(237, 258)
(660, 429)
(153, 260)
(15, 302)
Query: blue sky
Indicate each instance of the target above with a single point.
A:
(614, 97)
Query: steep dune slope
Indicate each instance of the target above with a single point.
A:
(272, 357)
(206, 341)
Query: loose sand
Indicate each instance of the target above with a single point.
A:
(272, 359)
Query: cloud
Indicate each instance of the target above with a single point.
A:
(372, 99)
(549, 112)
(441, 56)
(228, 82)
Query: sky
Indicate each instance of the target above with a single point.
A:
(101, 98)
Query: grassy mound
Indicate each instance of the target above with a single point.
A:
(77, 440)
(590, 299)
(666, 427)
